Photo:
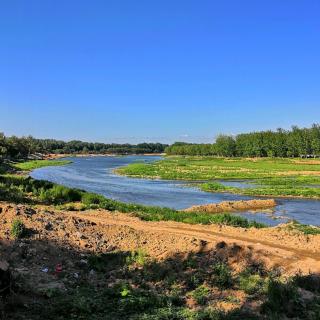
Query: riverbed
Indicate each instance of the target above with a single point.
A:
(96, 174)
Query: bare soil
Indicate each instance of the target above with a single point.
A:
(102, 231)
(233, 206)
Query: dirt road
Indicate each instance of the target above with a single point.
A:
(101, 231)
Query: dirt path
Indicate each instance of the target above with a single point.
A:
(103, 231)
(277, 246)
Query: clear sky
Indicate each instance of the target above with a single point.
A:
(157, 70)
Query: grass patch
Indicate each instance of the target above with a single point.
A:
(36, 164)
(251, 283)
(273, 177)
(304, 228)
(271, 188)
(201, 294)
(208, 168)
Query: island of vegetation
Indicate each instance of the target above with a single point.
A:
(245, 157)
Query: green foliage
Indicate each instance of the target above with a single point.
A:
(272, 177)
(281, 143)
(201, 294)
(225, 146)
(92, 199)
(35, 164)
(282, 298)
(21, 148)
(138, 257)
(251, 283)
(18, 229)
(222, 275)
(305, 229)
(27, 189)
(59, 194)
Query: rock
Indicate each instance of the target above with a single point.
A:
(48, 226)
(29, 211)
(80, 235)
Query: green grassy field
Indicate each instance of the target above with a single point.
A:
(273, 177)
(35, 164)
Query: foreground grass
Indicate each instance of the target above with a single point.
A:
(273, 177)
(35, 164)
(179, 288)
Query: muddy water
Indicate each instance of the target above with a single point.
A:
(95, 174)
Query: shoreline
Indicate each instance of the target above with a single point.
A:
(53, 156)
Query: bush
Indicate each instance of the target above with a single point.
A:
(18, 229)
(201, 294)
(138, 257)
(282, 298)
(59, 194)
(222, 275)
(250, 283)
(92, 199)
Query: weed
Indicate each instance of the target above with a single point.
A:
(201, 294)
(138, 257)
(18, 229)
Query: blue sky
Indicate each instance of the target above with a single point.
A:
(132, 71)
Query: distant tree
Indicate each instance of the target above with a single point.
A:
(225, 146)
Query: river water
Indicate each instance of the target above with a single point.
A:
(95, 174)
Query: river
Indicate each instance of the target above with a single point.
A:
(96, 174)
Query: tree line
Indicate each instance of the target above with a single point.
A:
(297, 142)
(23, 147)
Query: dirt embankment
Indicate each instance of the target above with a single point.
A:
(233, 206)
(63, 241)
(102, 231)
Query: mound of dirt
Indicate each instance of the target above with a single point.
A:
(232, 206)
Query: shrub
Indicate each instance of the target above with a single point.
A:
(282, 298)
(222, 275)
(107, 261)
(59, 194)
(138, 257)
(92, 199)
(18, 229)
(250, 283)
(201, 294)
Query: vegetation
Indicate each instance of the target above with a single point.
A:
(268, 176)
(21, 148)
(177, 288)
(305, 229)
(222, 275)
(281, 143)
(35, 164)
(18, 229)
(34, 191)
(265, 188)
